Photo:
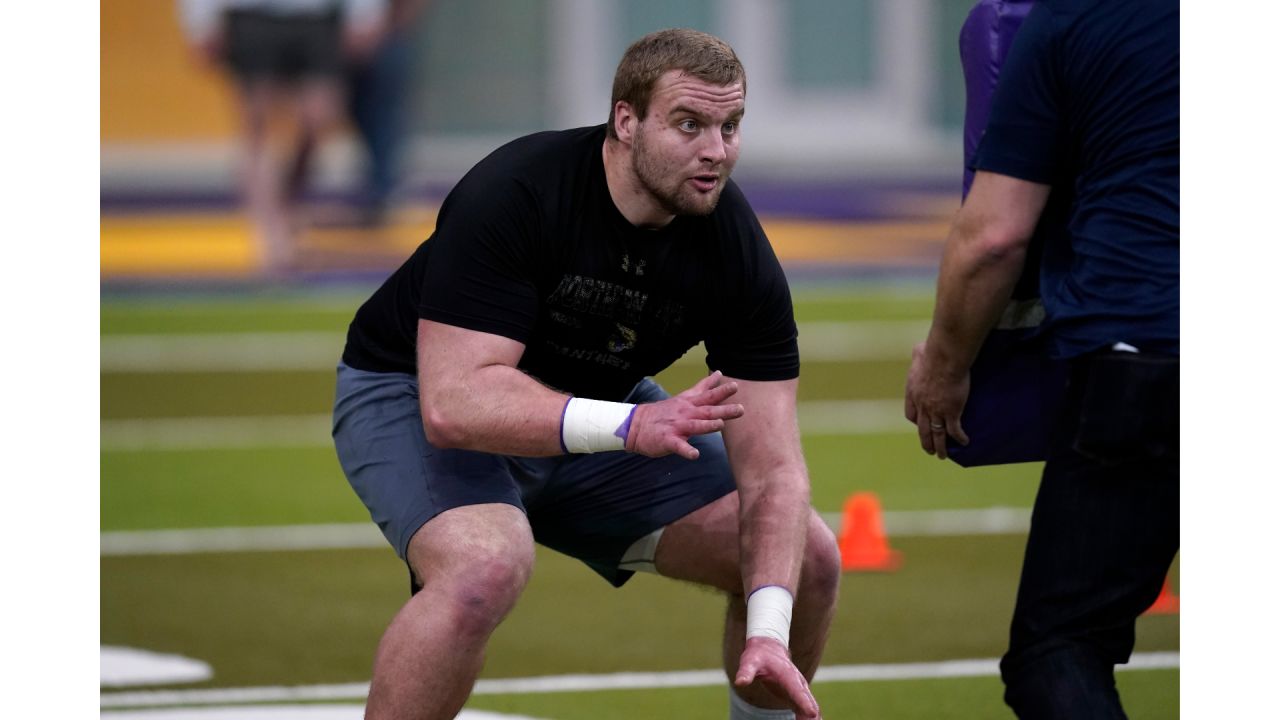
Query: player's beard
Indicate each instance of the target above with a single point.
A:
(679, 198)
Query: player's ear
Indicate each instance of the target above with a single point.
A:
(624, 120)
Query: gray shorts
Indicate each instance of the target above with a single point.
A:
(592, 507)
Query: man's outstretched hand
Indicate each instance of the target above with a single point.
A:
(767, 661)
(664, 427)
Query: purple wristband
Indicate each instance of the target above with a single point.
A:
(564, 410)
(753, 592)
(623, 430)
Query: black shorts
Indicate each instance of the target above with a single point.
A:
(593, 507)
(264, 45)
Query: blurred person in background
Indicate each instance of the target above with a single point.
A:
(288, 54)
(496, 391)
(378, 88)
(1089, 92)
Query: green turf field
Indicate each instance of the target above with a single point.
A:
(203, 428)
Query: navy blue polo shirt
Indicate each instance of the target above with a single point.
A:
(1089, 95)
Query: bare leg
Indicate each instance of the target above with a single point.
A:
(260, 175)
(319, 104)
(703, 547)
(473, 563)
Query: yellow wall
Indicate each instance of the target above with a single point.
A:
(153, 87)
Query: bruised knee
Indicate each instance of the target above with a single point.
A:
(486, 592)
(481, 594)
(476, 583)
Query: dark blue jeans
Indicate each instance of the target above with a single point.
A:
(377, 101)
(1103, 534)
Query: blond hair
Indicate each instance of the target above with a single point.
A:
(699, 54)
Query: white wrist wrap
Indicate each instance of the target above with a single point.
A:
(769, 613)
(595, 425)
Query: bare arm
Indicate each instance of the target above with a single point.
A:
(473, 396)
(980, 266)
(773, 484)
(773, 489)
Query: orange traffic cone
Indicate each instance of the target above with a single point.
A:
(1166, 603)
(863, 544)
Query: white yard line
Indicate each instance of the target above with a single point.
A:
(216, 433)
(832, 417)
(862, 340)
(852, 417)
(277, 712)
(265, 351)
(986, 521)
(348, 711)
(587, 683)
(241, 539)
(982, 521)
(221, 352)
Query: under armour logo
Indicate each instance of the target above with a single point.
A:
(626, 265)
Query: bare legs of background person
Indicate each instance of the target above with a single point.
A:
(703, 547)
(273, 195)
(473, 562)
(259, 181)
(320, 104)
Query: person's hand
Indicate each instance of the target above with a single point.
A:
(664, 427)
(360, 41)
(210, 48)
(768, 662)
(934, 402)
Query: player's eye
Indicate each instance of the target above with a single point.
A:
(688, 125)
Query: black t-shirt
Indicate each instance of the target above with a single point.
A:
(530, 246)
